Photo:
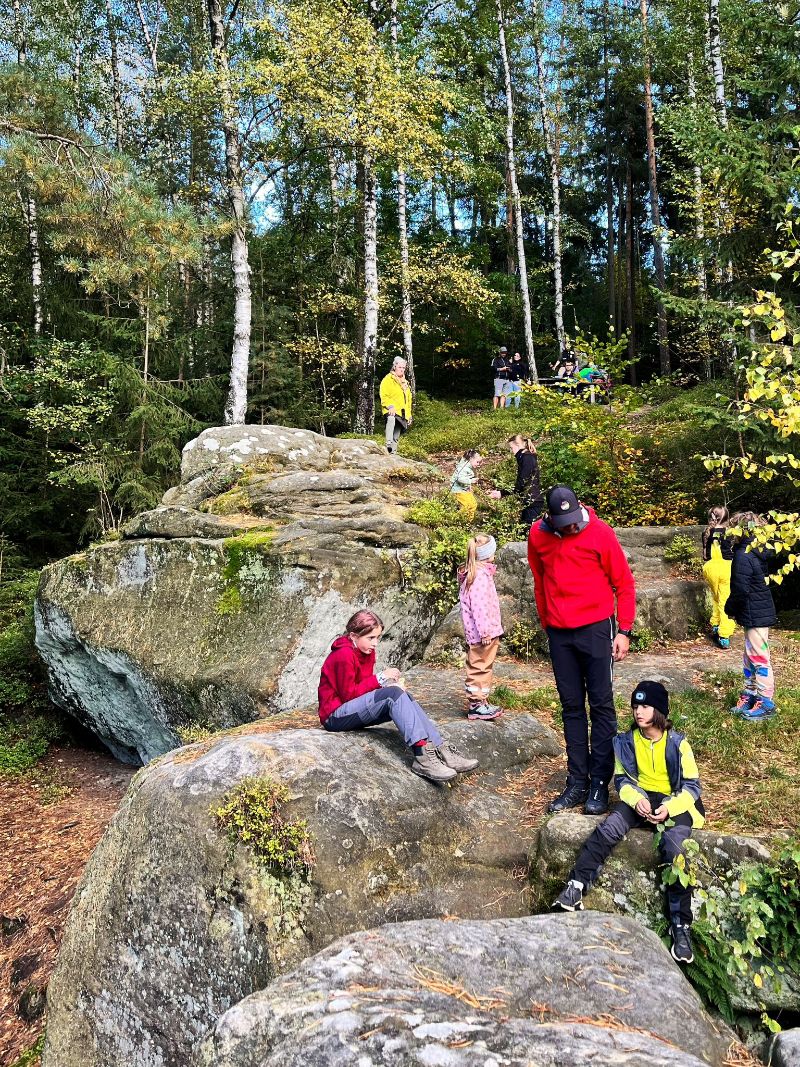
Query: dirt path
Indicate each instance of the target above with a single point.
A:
(51, 822)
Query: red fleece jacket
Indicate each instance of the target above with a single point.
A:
(346, 674)
(577, 577)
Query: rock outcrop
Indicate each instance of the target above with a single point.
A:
(220, 605)
(786, 1050)
(630, 884)
(550, 991)
(171, 924)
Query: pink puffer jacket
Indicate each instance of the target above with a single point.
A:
(480, 607)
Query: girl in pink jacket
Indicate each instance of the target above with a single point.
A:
(483, 628)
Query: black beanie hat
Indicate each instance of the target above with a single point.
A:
(653, 694)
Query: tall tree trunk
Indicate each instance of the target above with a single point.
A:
(629, 302)
(700, 234)
(236, 403)
(29, 209)
(655, 213)
(512, 174)
(552, 151)
(116, 84)
(619, 265)
(610, 265)
(365, 402)
(717, 68)
(402, 226)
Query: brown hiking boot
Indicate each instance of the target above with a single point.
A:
(429, 764)
(453, 758)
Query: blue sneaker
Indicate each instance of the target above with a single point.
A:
(763, 708)
(743, 704)
(723, 642)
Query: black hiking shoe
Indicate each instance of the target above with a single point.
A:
(572, 897)
(681, 949)
(575, 792)
(597, 803)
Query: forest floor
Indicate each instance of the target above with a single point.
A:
(54, 815)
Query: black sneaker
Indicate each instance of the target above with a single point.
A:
(576, 792)
(572, 897)
(597, 803)
(681, 943)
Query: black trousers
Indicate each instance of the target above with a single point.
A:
(582, 665)
(611, 831)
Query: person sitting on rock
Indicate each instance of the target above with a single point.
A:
(352, 697)
(483, 627)
(659, 787)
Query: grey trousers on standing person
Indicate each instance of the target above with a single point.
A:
(394, 428)
(390, 702)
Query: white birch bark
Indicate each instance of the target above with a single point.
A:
(236, 403)
(512, 175)
(365, 402)
(655, 212)
(116, 84)
(402, 226)
(28, 202)
(717, 68)
(552, 152)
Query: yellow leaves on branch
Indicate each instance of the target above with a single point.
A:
(331, 70)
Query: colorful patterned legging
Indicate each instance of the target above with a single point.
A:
(758, 677)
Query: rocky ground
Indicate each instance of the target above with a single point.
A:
(54, 819)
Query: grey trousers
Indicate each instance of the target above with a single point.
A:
(393, 431)
(382, 705)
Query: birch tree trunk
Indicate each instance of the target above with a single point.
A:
(365, 401)
(552, 152)
(402, 225)
(116, 84)
(655, 213)
(717, 68)
(610, 264)
(629, 303)
(512, 175)
(28, 203)
(236, 403)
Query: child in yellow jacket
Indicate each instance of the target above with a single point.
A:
(718, 559)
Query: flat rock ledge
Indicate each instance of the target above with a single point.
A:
(551, 991)
(172, 924)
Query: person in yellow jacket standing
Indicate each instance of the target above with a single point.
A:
(718, 560)
(396, 403)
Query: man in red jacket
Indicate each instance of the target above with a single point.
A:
(581, 580)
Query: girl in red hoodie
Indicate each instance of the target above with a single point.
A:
(352, 696)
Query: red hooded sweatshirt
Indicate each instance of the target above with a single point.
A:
(346, 674)
(576, 577)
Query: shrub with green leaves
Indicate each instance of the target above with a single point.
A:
(253, 815)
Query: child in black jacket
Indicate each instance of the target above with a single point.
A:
(752, 606)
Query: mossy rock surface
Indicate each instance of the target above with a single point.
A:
(171, 924)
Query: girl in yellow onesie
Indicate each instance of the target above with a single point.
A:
(718, 556)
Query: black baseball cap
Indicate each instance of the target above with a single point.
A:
(563, 506)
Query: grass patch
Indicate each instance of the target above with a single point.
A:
(749, 769)
(32, 1056)
(24, 740)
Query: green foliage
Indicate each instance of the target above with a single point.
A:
(526, 641)
(252, 814)
(24, 740)
(643, 639)
(31, 1056)
(683, 554)
(431, 568)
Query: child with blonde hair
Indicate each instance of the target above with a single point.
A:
(483, 627)
(718, 557)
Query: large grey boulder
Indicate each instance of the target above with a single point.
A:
(786, 1049)
(171, 925)
(551, 991)
(221, 605)
(630, 884)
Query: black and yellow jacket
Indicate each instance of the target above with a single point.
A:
(681, 771)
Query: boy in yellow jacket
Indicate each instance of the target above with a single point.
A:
(396, 403)
(659, 786)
